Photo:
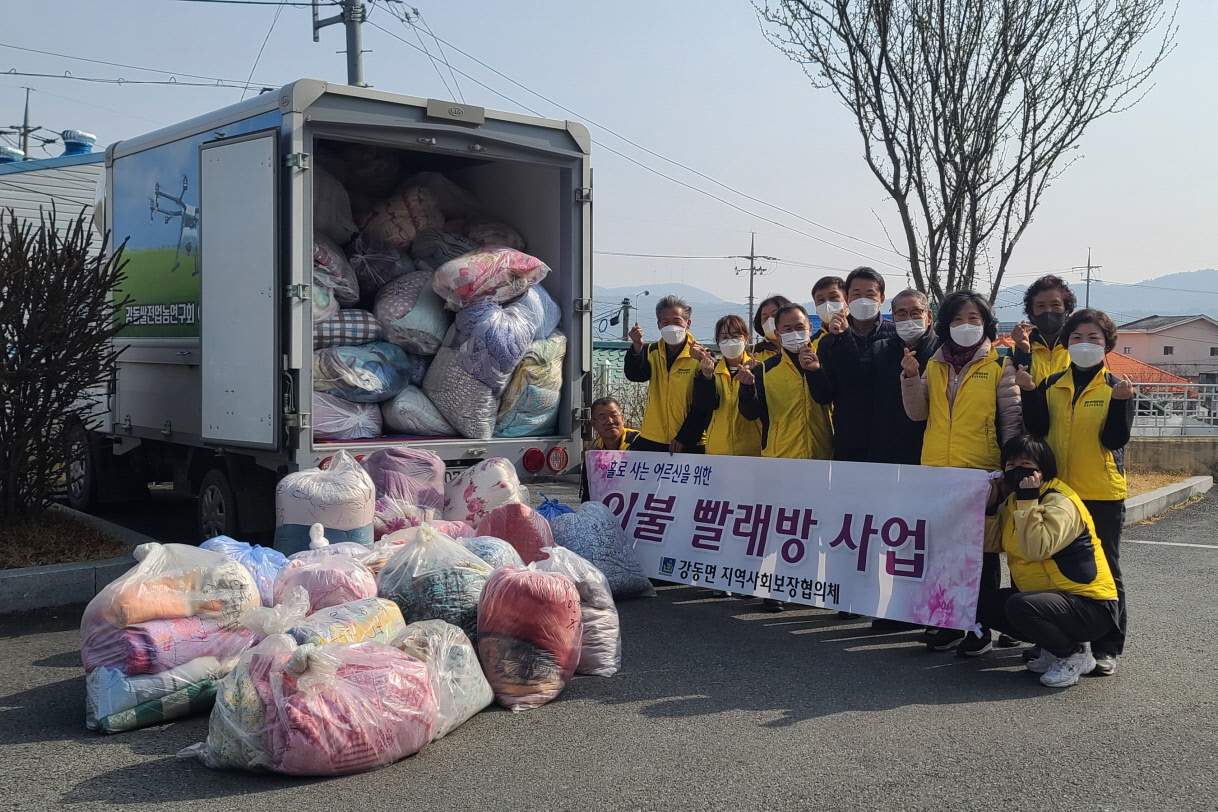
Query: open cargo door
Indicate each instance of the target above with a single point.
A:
(239, 271)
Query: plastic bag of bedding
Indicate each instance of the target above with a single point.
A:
(329, 581)
(551, 508)
(494, 551)
(351, 622)
(409, 486)
(530, 401)
(325, 306)
(264, 563)
(399, 217)
(376, 263)
(330, 262)
(495, 273)
(338, 419)
(520, 526)
(544, 311)
(453, 200)
(331, 709)
(332, 208)
(487, 232)
(412, 412)
(340, 497)
(595, 534)
(460, 687)
(347, 328)
(369, 373)
(491, 340)
(600, 651)
(433, 247)
(412, 314)
(434, 578)
(466, 403)
(481, 488)
(529, 632)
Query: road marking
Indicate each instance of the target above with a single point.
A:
(1172, 544)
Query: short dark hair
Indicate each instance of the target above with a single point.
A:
(1090, 316)
(833, 282)
(1049, 282)
(773, 299)
(604, 402)
(863, 272)
(729, 322)
(951, 306)
(790, 308)
(1034, 448)
(672, 301)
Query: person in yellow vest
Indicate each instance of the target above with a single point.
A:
(609, 426)
(716, 392)
(1086, 414)
(763, 324)
(669, 369)
(968, 398)
(1064, 596)
(1048, 302)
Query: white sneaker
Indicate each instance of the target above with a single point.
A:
(1042, 663)
(1066, 671)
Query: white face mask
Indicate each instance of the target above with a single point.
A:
(672, 334)
(732, 348)
(864, 309)
(1086, 356)
(910, 329)
(795, 341)
(827, 310)
(967, 335)
(767, 329)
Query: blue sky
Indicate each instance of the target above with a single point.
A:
(691, 80)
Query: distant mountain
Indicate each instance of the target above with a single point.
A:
(1175, 294)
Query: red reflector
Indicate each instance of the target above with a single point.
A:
(533, 460)
(557, 459)
(322, 465)
(359, 458)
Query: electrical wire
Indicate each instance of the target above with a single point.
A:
(5, 181)
(121, 81)
(659, 256)
(100, 107)
(293, 3)
(419, 35)
(444, 56)
(265, 40)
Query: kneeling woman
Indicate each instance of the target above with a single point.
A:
(1064, 595)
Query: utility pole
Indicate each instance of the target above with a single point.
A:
(26, 131)
(25, 127)
(352, 16)
(626, 324)
(753, 270)
(1089, 268)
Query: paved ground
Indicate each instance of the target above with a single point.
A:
(720, 707)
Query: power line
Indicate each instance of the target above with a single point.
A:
(419, 35)
(100, 107)
(444, 56)
(660, 256)
(265, 40)
(292, 3)
(121, 81)
(237, 82)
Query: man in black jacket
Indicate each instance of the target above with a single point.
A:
(894, 437)
(843, 379)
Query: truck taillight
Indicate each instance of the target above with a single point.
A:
(534, 460)
(359, 458)
(557, 459)
(324, 463)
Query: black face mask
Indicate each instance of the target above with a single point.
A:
(1049, 322)
(1014, 476)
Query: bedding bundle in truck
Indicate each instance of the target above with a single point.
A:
(328, 268)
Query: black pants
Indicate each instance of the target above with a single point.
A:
(641, 444)
(991, 579)
(1056, 621)
(1109, 519)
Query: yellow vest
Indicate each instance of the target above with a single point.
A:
(799, 427)
(669, 392)
(1048, 360)
(963, 434)
(623, 444)
(729, 432)
(1083, 462)
(1079, 568)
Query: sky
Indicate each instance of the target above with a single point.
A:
(693, 81)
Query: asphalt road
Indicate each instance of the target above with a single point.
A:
(720, 707)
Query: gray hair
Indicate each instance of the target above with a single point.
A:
(672, 300)
(918, 295)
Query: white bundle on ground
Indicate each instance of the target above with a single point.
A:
(481, 488)
(340, 497)
(412, 412)
(460, 687)
(600, 652)
(409, 487)
(332, 208)
(337, 419)
(595, 534)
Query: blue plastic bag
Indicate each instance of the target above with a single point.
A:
(551, 508)
(263, 562)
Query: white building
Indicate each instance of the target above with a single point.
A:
(1183, 345)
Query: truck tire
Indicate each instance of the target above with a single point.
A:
(217, 507)
(81, 474)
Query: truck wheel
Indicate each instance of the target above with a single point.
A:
(81, 474)
(217, 506)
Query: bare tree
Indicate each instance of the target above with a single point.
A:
(969, 109)
(57, 318)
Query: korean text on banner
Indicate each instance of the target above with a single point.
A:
(894, 541)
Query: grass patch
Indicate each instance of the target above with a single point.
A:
(1142, 480)
(55, 538)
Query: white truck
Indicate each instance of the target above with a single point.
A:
(213, 388)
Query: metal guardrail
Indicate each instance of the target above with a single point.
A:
(1176, 410)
